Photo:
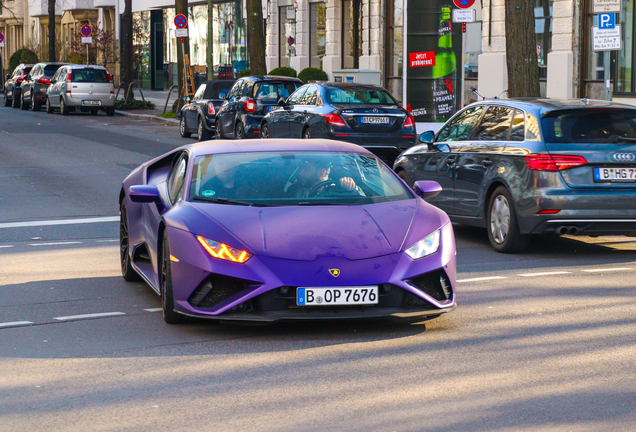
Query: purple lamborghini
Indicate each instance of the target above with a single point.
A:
(273, 230)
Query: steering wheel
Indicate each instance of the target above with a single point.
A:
(314, 190)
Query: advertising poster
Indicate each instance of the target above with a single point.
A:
(433, 91)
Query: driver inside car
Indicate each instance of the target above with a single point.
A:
(306, 181)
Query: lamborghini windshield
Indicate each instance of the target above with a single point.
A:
(294, 178)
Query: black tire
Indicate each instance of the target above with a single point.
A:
(7, 101)
(94, 111)
(265, 131)
(404, 176)
(165, 279)
(127, 271)
(15, 103)
(202, 132)
(23, 105)
(217, 130)
(110, 111)
(239, 130)
(182, 128)
(63, 108)
(49, 108)
(35, 106)
(307, 133)
(502, 224)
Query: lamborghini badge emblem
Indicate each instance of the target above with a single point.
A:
(334, 272)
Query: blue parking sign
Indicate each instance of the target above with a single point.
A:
(606, 21)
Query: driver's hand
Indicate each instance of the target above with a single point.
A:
(347, 183)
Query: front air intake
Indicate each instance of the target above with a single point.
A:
(216, 288)
(435, 284)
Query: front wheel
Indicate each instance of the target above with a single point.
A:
(202, 132)
(217, 130)
(404, 176)
(167, 296)
(127, 270)
(182, 127)
(502, 224)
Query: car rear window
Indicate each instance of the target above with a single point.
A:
(275, 90)
(90, 75)
(49, 70)
(589, 125)
(359, 95)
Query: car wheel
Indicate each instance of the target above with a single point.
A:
(34, 105)
(202, 132)
(217, 130)
(239, 131)
(23, 106)
(182, 128)
(307, 133)
(49, 108)
(15, 103)
(502, 225)
(110, 111)
(265, 131)
(402, 174)
(127, 271)
(94, 111)
(63, 108)
(167, 296)
(7, 101)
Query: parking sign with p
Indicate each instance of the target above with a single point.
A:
(607, 21)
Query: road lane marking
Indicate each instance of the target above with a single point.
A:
(544, 273)
(6, 246)
(88, 316)
(154, 310)
(608, 269)
(15, 324)
(53, 244)
(482, 279)
(59, 222)
(105, 241)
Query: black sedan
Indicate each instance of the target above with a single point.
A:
(199, 115)
(13, 83)
(358, 113)
(248, 102)
(35, 85)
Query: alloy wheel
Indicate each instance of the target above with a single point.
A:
(500, 219)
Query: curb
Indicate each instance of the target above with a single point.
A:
(148, 117)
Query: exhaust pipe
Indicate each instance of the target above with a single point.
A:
(561, 230)
(573, 230)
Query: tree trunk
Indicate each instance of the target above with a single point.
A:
(126, 71)
(521, 49)
(210, 52)
(255, 39)
(51, 11)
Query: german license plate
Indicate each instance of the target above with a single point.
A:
(375, 120)
(337, 296)
(627, 174)
(92, 102)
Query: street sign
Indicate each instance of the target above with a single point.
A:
(181, 32)
(1, 37)
(87, 40)
(464, 4)
(291, 41)
(607, 21)
(606, 39)
(86, 30)
(180, 21)
(600, 6)
(463, 15)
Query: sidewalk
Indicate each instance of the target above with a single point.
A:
(158, 97)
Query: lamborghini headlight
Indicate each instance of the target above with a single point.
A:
(424, 247)
(223, 251)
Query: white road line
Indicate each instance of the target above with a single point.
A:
(88, 316)
(482, 279)
(608, 269)
(53, 244)
(59, 222)
(105, 241)
(6, 246)
(15, 324)
(544, 273)
(154, 310)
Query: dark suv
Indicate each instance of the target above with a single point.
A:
(533, 166)
(12, 85)
(35, 85)
(247, 103)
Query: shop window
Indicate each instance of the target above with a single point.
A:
(352, 16)
(317, 33)
(287, 32)
(543, 30)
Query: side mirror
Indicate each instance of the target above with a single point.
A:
(222, 95)
(427, 137)
(282, 101)
(427, 188)
(144, 194)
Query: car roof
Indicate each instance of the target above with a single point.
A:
(52, 63)
(271, 78)
(272, 145)
(544, 105)
(76, 66)
(347, 85)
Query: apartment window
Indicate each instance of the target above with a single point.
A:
(394, 47)
(352, 16)
(543, 30)
(287, 32)
(317, 33)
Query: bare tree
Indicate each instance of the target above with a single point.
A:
(521, 49)
(255, 37)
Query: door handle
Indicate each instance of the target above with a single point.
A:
(486, 163)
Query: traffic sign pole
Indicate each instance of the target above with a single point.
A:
(1, 64)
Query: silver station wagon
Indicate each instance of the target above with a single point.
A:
(89, 88)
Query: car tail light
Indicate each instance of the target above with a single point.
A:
(211, 109)
(69, 79)
(44, 81)
(19, 80)
(110, 77)
(249, 105)
(544, 162)
(553, 211)
(410, 121)
(335, 120)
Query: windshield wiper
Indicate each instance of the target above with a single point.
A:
(618, 138)
(227, 201)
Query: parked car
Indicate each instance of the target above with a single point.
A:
(533, 166)
(13, 83)
(199, 115)
(247, 103)
(36, 84)
(358, 113)
(224, 72)
(89, 88)
(233, 232)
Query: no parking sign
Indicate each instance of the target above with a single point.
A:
(87, 31)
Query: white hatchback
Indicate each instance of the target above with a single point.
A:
(89, 88)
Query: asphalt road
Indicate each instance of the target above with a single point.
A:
(541, 341)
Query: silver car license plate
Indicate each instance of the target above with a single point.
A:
(627, 174)
(92, 102)
(337, 296)
(375, 120)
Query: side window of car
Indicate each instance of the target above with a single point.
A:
(309, 98)
(248, 89)
(236, 89)
(199, 94)
(295, 98)
(460, 127)
(517, 132)
(177, 178)
(495, 125)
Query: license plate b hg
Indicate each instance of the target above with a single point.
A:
(337, 296)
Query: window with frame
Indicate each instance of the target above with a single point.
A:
(458, 129)
(199, 94)
(495, 124)
(317, 33)
(296, 96)
(176, 179)
(309, 98)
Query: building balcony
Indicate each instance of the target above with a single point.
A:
(73, 5)
(104, 3)
(40, 8)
